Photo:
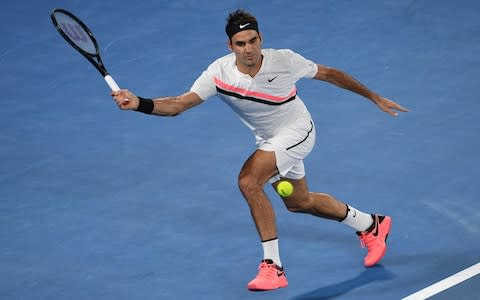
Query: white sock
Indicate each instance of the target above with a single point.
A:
(356, 219)
(270, 251)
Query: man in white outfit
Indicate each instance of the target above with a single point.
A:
(259, 85)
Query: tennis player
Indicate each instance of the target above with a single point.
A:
(259, 85)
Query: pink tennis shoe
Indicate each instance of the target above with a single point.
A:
(269, 277)
(375, 239)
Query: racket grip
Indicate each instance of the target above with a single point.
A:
(111, 83)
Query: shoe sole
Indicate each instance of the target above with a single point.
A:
(264, 290)
(255, 289)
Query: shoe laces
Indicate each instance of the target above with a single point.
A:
(268, 270)
(367, 239)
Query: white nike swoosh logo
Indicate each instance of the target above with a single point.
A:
(244, 25)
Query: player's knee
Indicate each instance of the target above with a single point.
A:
(247, 184)
(295, 208)
(298, 208)
(299, 205)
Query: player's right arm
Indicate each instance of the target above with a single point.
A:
(203, 88)
(165, 106)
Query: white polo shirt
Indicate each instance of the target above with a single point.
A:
(267, 102)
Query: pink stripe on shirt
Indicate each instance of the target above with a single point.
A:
(248, 93)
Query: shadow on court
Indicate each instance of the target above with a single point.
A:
(378, 273)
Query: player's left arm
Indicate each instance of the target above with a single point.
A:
(345, 81)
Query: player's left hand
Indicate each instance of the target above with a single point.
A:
(389, 106)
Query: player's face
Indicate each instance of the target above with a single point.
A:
(247, 46)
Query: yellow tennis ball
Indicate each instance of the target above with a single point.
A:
(285, 188)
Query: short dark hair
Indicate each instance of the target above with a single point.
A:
(237, 19)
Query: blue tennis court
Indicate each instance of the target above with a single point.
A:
(97, 203)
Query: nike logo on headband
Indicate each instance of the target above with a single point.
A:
(243, 25)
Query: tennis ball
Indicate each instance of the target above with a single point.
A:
(284, 188)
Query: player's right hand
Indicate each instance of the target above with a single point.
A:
(125, 99)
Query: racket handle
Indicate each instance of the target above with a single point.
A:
(111, 83)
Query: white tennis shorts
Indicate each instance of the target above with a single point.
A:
(291, 146)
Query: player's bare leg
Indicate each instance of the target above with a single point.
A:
(317, 204)
(256, 171)
(373, 230)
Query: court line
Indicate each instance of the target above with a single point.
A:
(445, 283)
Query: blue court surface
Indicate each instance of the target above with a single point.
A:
(97, 203)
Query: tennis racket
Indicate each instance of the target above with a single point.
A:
(77, 34)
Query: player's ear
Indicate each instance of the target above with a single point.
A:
(229, 44)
